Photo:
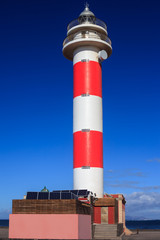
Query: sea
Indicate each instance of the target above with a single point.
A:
(143, 224)
(130, 224)
(4, 223)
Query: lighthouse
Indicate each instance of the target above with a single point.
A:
(76, 213)
(87, 45)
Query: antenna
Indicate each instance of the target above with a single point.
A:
(86, 5)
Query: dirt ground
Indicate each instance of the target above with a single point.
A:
(144, 235)
(3, 232)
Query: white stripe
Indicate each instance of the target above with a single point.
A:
(90, 179)
(87, 113)
(87, 52)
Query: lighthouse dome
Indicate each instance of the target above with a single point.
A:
(86, 12)
(86, 16)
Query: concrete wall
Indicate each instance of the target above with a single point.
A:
(50, 226)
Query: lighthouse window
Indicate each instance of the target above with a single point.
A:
(84, 94)
(85, 167)
(84, 60)
(85, 130)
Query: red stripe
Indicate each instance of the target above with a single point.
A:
(97, 215)
(111, 215)
(88, 149)
(87, 78)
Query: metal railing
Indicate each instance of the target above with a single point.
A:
(87, 35)
(96, 21)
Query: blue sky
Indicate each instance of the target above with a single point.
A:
(36, 100)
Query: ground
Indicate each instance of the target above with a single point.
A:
(3, 232)
(144, 235)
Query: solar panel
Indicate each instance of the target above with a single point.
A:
(82, 192)
(31, 195)
(54, 195)
(74, 191)
(73, 196)
(43, 195)
(63, 191)
(65, 195)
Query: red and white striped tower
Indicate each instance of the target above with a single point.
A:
(87, 45)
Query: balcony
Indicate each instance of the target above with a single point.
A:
(87, 35)
(94, 21)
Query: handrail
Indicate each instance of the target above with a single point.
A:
(86, 35)
(96, 21)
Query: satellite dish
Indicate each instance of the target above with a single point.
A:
(102, 55)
